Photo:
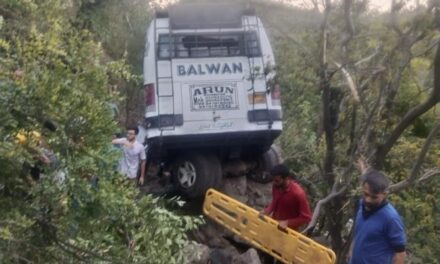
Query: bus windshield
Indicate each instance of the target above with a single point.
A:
(208, 45)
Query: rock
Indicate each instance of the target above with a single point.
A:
(259, 189)
(217, 256)
(322, 240)
(218, 242)
(261, 202)
(234, 168)
(211, 234)
(239, 241)
(236, 187)
(223, 256)
(198, 236)
(225, 246)
(249, 257)
(259, 195)
(196, 253)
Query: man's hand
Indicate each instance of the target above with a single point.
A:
(399, 258)
(261, 214)
(282, 224)
(43, 158)
(361, 164)
(348, 256)
(142, 176)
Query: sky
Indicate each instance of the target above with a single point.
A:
(381, 5)
(384, 5)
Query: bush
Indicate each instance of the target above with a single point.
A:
(50, 70)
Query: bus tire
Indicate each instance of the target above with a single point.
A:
(266, 162)
(195, 173)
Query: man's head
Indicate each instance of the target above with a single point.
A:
(132, 132)
(374, 188)
(280, 174)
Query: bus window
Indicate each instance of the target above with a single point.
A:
(209, 45)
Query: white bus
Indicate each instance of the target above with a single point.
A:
(210, 94)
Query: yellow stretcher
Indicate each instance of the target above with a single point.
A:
(286, 245)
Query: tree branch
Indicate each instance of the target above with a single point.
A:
(436, 92)
(75, 250)
(406, 121)
(415, 170)
(348, 23)
(427, 50)
(24, 259)
(316, 212)
(423, 152)
(395, 7)
(366, 128)
(127, 19)
(427, 176)
(404, 184)
(73, 253)
(372, 77)
(325, 88)
(410, 116)
(7, 13)
(350, 83)
(369, 57)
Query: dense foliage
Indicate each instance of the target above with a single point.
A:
(390, 60)
(65, 61)
(53, 73)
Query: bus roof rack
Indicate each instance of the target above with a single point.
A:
(250, 11)
(206, 15)
(161, 13)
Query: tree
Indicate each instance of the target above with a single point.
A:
(53, 75)
(120, 26)
(378, 100)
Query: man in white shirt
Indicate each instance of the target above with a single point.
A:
(133, 155)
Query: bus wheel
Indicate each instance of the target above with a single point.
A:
(195, 173)
(265, 162)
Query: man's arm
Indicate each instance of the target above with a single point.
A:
(396, 238)
(119, 141)
(399, 257)
(304, 215)
(350, 252)
(143, 158)
(362, 165)
(269, 208)
(141, 178)
(43, 158)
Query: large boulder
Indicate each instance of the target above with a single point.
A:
(249, 257)
(196, 253)
(259, 195)
(223, 255)
(211, 234)
(235, 187)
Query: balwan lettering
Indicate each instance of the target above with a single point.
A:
(213, 68)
